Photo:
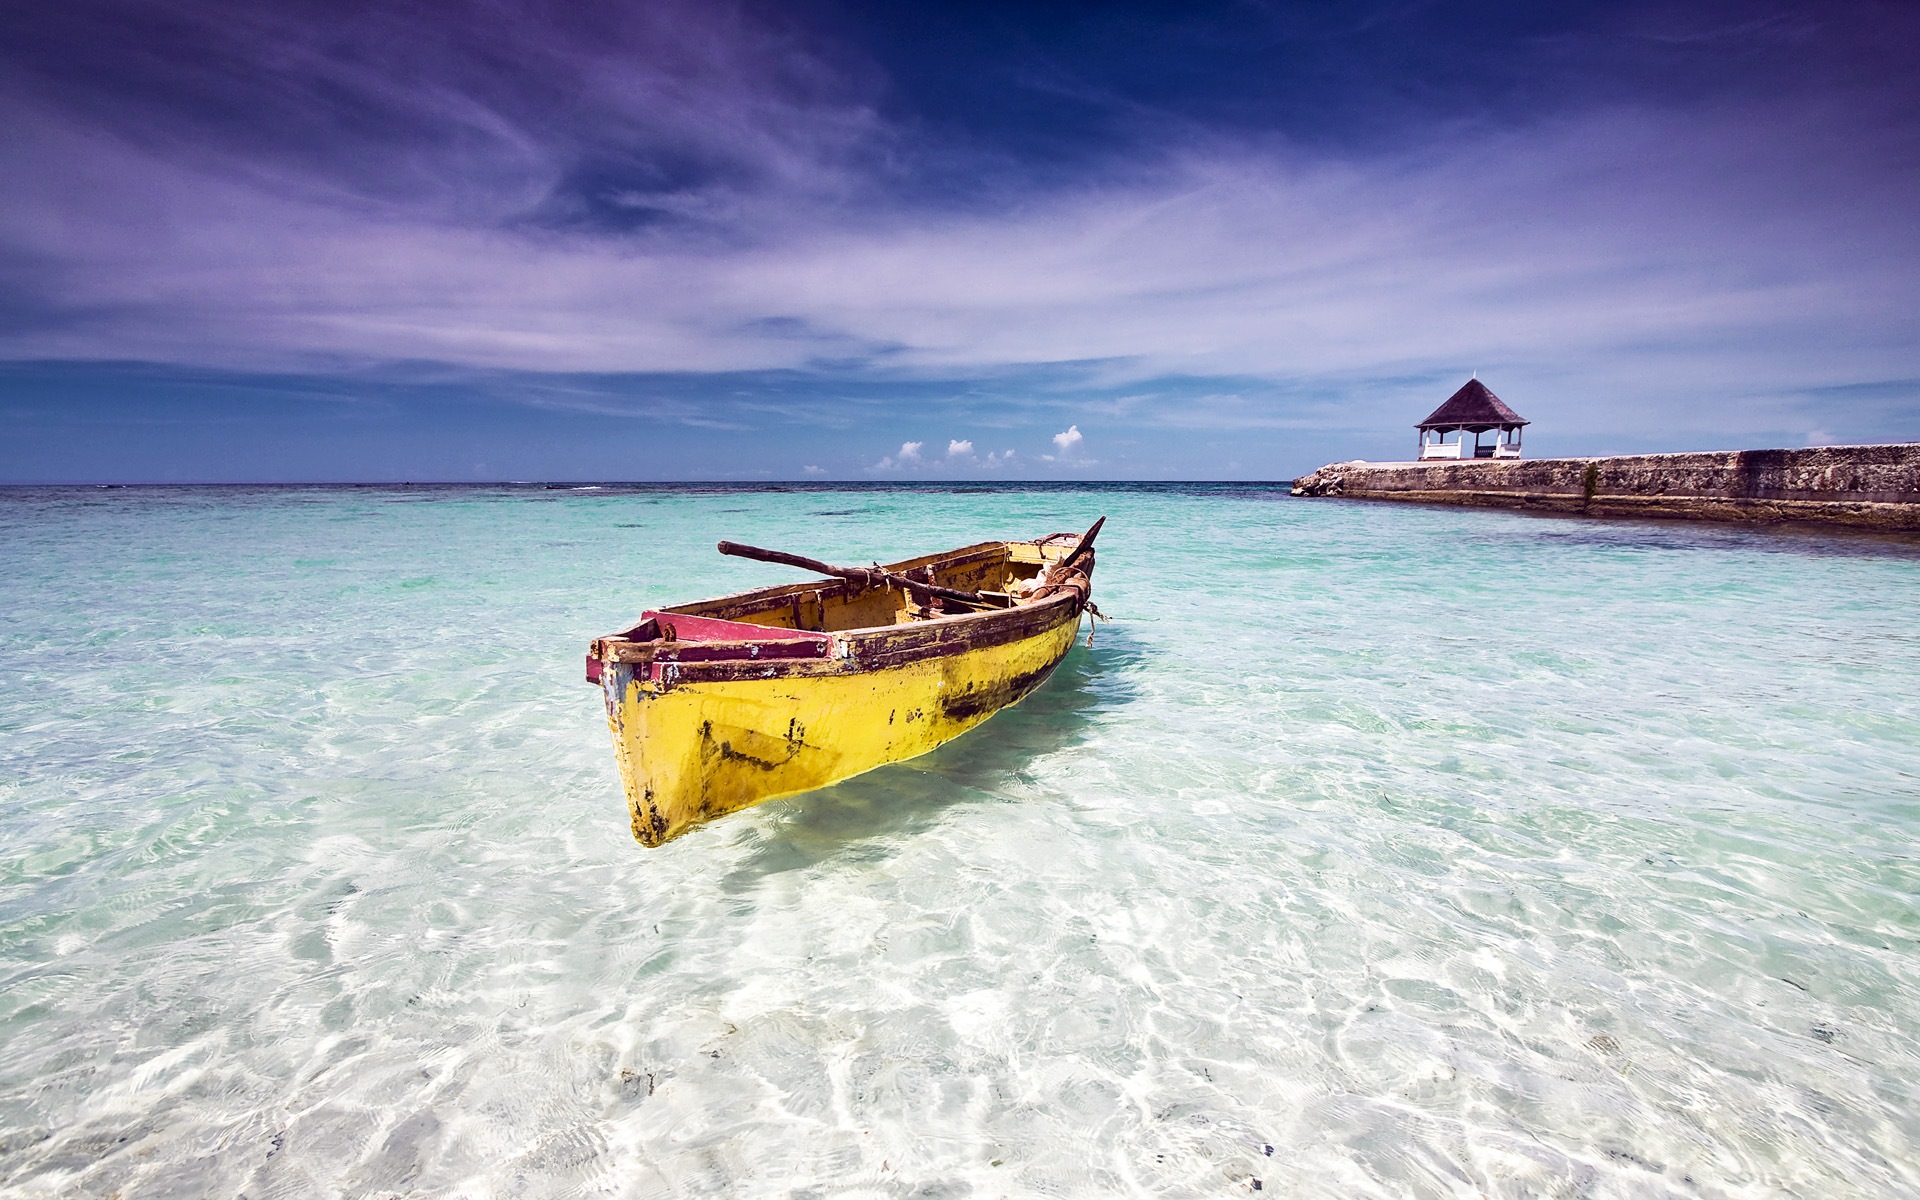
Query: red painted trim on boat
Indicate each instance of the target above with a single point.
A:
(689, 628)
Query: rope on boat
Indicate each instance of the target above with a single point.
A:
(1093, 610)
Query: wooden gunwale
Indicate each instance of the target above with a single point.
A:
(843, 652)
(880, 648)
(859, 650)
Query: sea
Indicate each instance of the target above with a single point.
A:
(1366, 851)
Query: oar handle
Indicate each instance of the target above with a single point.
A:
(792, 560)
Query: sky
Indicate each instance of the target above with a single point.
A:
(327, 240)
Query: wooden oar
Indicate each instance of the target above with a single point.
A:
(864, 576)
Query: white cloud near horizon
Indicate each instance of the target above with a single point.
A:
(961, 455)
(908, 455)
(1067, 446)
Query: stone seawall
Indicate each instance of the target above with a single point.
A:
(1875, 487)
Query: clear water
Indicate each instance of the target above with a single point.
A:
(1369, 851)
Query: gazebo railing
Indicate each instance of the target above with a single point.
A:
(1506, 443)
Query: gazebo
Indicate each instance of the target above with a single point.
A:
(1472, 409)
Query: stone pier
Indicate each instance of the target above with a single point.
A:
(1874, 487)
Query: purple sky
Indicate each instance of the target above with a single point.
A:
(704, 241)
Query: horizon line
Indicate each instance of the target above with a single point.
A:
(575, 484)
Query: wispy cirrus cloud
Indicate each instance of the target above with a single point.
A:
(683, 190)
(595, 117)
(1664, 238)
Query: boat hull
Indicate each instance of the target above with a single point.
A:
(692, 749)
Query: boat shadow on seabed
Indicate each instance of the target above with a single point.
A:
(985, 765)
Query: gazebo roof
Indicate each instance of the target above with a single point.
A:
(1472, 407)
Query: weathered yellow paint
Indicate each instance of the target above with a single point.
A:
(714, 707)
(689, 752)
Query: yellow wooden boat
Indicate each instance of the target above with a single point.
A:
(720, 704)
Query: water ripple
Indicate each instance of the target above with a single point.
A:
(1370, 851)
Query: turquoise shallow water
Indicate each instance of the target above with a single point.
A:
(1369, 851)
